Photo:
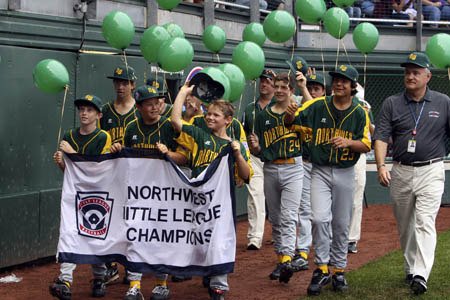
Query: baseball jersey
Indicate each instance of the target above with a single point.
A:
(115, 123)
(234, 129)
(204, 147)
(95, 143)
(276, 140)
(141, 136)
(323, 121)
(250, 113)
(167, 110)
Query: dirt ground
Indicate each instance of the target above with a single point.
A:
(250, 279)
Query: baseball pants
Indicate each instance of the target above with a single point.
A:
(416, 193)
(66, 269)
(256, 204)
(283, 189)
(358, 199)
(304, 235)
(134, 276)
(331, 205)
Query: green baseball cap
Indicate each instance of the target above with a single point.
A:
(315, 78)
(298, 64)
(91, 100)
(145, 92)
(123, 74)
(417, 58)
(158, 85)
(345, 71)
(210, 84)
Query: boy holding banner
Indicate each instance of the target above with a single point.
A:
(87, 140)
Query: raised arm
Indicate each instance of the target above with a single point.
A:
(176, 118)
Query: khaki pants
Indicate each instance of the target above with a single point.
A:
(416, 193)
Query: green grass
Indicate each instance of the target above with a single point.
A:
(384, 278)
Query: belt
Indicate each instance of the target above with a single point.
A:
(284, 161)
(422, 163)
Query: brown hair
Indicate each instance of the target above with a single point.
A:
(286, 78)
(225, 107)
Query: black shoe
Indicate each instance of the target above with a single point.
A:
(98, 288)
(275, 275)
(286, 272)
(352, 247)
(318, 280)
(216, 294)
(180, 278)
(252, 247)
(339, 282)
(299, 263)
(112, 273)
(418, 285)
(61, 290)
(408, 279)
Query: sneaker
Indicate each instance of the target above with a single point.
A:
(160, 292)
(352, 247)
(408, 279)
(286, 272)
(98, 288)
(418, 285)
(61, 290)
(180, 278)
(216, 294)
(299, 263)
(112, 273)
(339, 282)
(134, 293)
(318, 280)
(275, 275)
(252, 247)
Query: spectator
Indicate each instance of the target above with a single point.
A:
(404, 9)
(262, 3)
(367, 7)
(431, 10)
(353, 12)
(275, 4)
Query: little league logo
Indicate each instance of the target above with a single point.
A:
(93, 211)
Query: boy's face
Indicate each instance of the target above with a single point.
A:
(282, 91)
(192, 105)
(149, 109)
(315, 90)
(215, 118)
(123, 88)
(342, 87)
(266, 86)
(88, 115)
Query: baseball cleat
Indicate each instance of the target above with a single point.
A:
(112, 273)
(61, 290)
(299, 263)
(98, 288)
(275, 275)
(352, 247)
(318, 280)
(134, 293)
(418, 285)
(339, 283)
(160, 292)
(286, 272)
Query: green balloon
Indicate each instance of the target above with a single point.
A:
(310, 11)
(175, 54)
(118, 29)
(365, 37)
(214, 38)
(168, 4)
(343, 3)
(336, 22)
(279, 26)
(50, 76)
(236, 78)
(249, 57)
(174, 30)
(151, 41)
(254, 32)
(438, 50)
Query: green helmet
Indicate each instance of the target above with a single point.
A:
(211, 84)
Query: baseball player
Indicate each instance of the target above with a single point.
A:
(87, 140)
(198, 142)
(280, 150)
(339, 128)
(256, 203)
(149, 131)
(159, 85)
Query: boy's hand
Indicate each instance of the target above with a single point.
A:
(186, 89)
(236, 146)
(58, 157)
(116, 147)
(162, 148)
(253, 143)
(65, 146)
(301, 80)
(340, 142)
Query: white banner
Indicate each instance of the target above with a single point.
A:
(145, 214)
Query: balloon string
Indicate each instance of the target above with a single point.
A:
(321, 54)
(448, 70)
(365, 68)
(254, 106)
(66, 89)
(145, 73)
(126, 65)
(218, 58)
(345, 50)
(167, 88)
(337, 53)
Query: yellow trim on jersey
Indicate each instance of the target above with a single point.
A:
(73, 140)
(107, 146)
(366, 139)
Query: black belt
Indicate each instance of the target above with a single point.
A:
(422, 163)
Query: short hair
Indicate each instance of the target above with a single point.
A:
(225, 107)
(286, 78)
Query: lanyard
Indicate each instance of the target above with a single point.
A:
(414, 132)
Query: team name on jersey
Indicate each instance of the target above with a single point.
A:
(205, 156)
(324, 135)
(272, 135)
(116, 133)
(143, 146)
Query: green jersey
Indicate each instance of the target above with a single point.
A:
(141, 136)
(95, 143)
(323, 121)
(115, 123)
(167, 110)
(204, 147)
(276, 140)
(250, 113)
(234, 129)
